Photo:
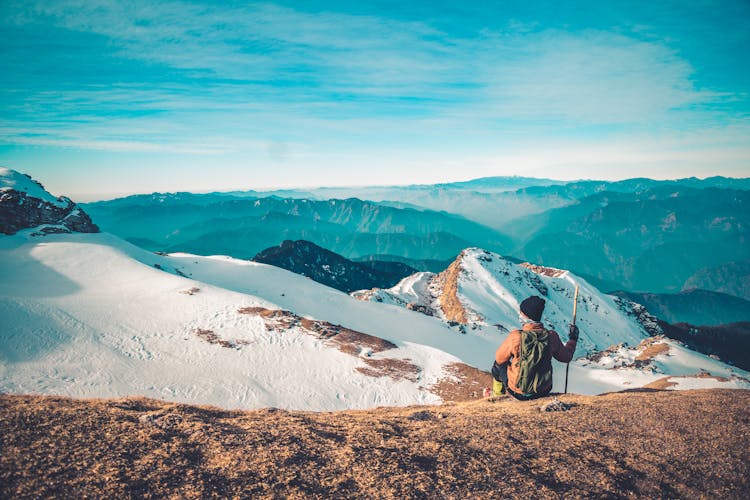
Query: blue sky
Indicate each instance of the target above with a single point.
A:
(109, 97)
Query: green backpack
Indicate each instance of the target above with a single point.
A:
(535, 362)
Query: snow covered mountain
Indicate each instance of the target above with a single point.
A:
(90, 315)
(480, 293)
(25, 203)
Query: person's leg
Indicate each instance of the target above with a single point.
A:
(500, 374)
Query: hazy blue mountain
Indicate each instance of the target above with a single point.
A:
(389, 267)
(653, 240)
(697, 307)
(242, 227)
(431, 265)
(636, 234)
(732, 278)
(503, 203)
(499, 184)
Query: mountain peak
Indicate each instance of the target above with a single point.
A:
(482, 290)
(24, 203)
(12, 180)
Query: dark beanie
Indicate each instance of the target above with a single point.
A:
(533, 307)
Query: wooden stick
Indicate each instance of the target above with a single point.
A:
(575, 309)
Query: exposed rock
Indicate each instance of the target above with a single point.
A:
(450, 304)
(20, 210)
(331, 269)
(649, 321)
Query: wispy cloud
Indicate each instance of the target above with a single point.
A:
(205, 78)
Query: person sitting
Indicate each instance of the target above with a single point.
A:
(523, 362)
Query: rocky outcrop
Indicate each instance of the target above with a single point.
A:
(450, 304)
(20, 210)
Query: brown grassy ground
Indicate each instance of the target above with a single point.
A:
(647, 444)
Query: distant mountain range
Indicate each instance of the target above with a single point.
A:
(732, 278)
(495, 201)
(634, 235)
(696, 307)
(431, 265)
(654, 240)
(242, 227)
(326, 267)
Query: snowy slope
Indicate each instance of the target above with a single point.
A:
(481, 291)
(90, 315)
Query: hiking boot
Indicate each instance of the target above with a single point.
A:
(498, 388)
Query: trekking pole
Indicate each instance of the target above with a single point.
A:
(575, 307)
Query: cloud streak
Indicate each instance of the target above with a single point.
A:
(208, 79)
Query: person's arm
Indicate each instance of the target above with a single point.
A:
(562, 352)
(504, 352)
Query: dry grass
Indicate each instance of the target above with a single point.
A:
(346, 340)
(211, 337)
(661, 384)
(652, 347)
(647, 444)
(670, 381)
(397, 369)
(464, 383)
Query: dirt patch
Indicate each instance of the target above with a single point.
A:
(602, 447)
(708, 375)
(211, 337)
(463, 383)
(599, 355)
(651, 347)
(671, 381)
(397, 369)
(345, 339)
(661, 384)
(648, 349)
(275, 319)
(191, 291)
(450, 304)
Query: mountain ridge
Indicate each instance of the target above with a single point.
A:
(238, 226)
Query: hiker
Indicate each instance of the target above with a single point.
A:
(523, 362)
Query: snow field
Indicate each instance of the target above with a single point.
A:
(82, 317)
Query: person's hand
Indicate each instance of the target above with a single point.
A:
(573, 335)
